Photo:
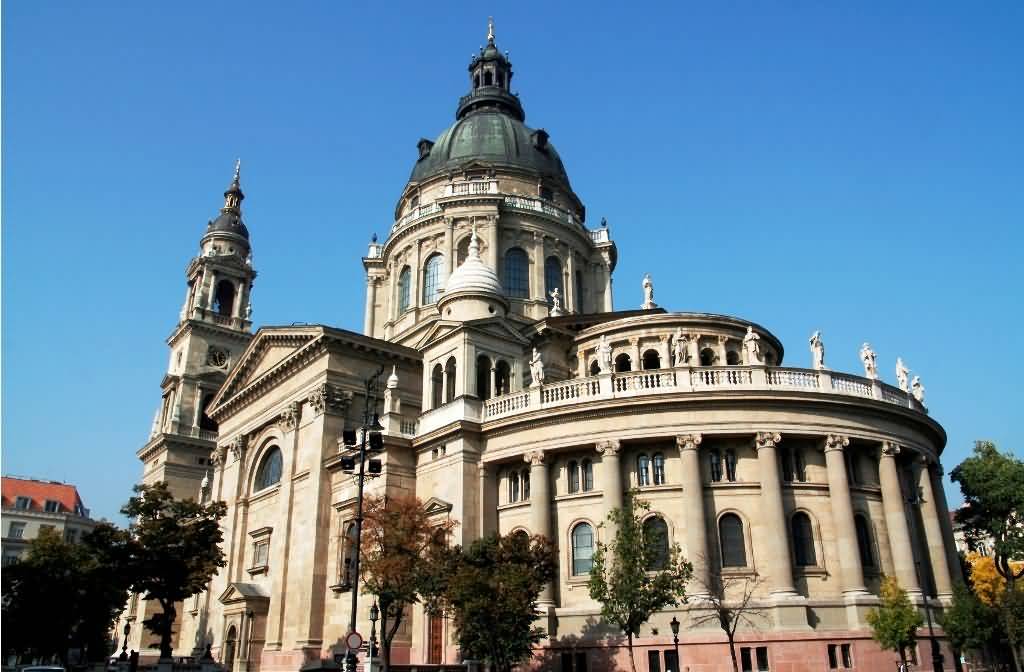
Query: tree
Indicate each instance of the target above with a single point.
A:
(993, 487)
(730, 613)
(491, 589)
(400, 553)
(987, 583)
(970, 623)
(175, 551)
(633, 577)
(895, 622)
(63, 595)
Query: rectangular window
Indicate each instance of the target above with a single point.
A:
(671, 663)
(52, 506)
(260, 553)
(653, 661)
(581, 661)
(71, 536)
(16, 530)
(847, 655)
(23, 503)
(762, 659)
(833, 657)
(566, 661)
(746, 662)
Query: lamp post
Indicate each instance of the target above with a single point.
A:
(124, 647)
(674, 624)
(374, 615)
(937, 657)
(370, 431)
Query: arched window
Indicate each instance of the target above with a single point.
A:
(659, 469)
(651, 360)
(587, 467)
(502, 378)
(432, 279)
(462, 251)
(224, 298)
(803, 540)
(730, 536)
(730, 465)
(488, 78)
(437, 386)
(656, 539)
(574, 476)
(526, 483)
(404, 288)
(348, 550)
(732, 358)
(513, 486)
(269, 472)
(517, 274)
(483, 377)
(707, 357)
(521, 536)
(229, 648)
(715, 461)
(643, 470)
(449, 380)
(623, 363)
(553, 278)
(582, 549)
(595, 368)
(205, 421)
(867, 558)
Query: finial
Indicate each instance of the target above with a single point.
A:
(238, 170)
(490, 30)
(373, 238)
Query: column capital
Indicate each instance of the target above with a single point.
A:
(766, 440)
(689, 441)
(890, 449)
(534, 457)
(609, 447)
(289, 418)
(835, 442)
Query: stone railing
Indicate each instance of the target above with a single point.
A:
(471, 188)
(600, 235)
(543, 207)
(375, 251)
(692, 380)
(407, 427)
(414, 214)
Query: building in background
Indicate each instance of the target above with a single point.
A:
(519, 400)
(31, 505)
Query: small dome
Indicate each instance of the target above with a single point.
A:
(228, 222)
(473, 276)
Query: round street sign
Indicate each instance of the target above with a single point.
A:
(353, 641)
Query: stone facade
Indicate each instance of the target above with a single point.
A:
(797, 476)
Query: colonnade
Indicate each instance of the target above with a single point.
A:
(778, 568)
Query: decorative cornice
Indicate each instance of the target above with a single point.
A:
(766, 440)
(689, 441)
(289, 419)
(609, 448)
(329, 398)
(835, 442)
(534, 457)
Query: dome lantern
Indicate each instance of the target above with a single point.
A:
(490, 81)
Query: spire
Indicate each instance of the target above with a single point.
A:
(233, 196)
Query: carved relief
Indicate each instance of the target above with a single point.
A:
(326, 397)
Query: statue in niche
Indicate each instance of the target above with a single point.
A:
(648, 293)
(556, 303)
(868, 357)
(604, 354)
(917, 389)
(680, 346)
(902, 374)
(537, 369)
(752, 347)
(817, 352)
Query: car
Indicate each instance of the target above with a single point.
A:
(42, 668)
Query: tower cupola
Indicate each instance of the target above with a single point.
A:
(230, 218)
(490, 80)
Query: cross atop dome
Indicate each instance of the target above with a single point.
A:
(490, 30)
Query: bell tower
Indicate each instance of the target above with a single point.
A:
(212, 331)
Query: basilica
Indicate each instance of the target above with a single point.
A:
(514, 396)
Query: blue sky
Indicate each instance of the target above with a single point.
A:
(849, 167)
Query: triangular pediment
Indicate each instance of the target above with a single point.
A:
(248, 593)
(435, 506)
(268, 350)
(492, 326)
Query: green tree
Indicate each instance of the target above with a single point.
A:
(971, 624)
(895, 622)
(633, 577)
(400, 553)
(992, 484)
(491, 589)
(175, 551)
(63, 595)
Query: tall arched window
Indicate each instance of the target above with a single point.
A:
(205, 421)
(483, 377)
(623, 363)
(730, 536)
(595, 368)
(730, 465)
(867, 558)
(715, 462)
(803, 540)
(517, 274)
(269, 472)
(502, 378)
(732, 358)
(656, 539)
(437, 386)
(432, 279)
(574, 476)
(652, 360)
(643, 470)
(513, 486)
(229, 648)
(553, 278)
(659, 469)
(348, 551)
(526, 483)
(404, 289)
(707, 357)
(582, 549)
(449, 380)
(587, 467)
(224, 298)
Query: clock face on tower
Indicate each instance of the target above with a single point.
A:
(217, 357)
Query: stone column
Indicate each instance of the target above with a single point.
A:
(952, 557)
(638, 362)
(581, 363)
(851, 573)
(571, 300)
(414, 300)
(723, 355)
(611, 482)
(693, 512)
(492, 248)
(237, 309)
(933, 532)
(539, 289)
(488, 500)
(213, 290)
(449, 246)
(608, 288)
(540, 511)
(780, 568)
(371, 300)
(896, 520)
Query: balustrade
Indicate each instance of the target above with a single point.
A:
(569, 390)
(798, 378)
(847, 384)
(721, 377)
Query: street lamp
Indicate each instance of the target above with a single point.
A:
(374, 615)
(124, 648)
(674, 624)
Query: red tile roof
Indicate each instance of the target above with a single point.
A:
(39, 492)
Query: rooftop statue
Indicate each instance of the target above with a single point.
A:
(648, 293)
(604, 354)
(917, 389)
(537, 369)
(556, 303)
(901, 374)
(679, 347)
(817, 352)
(752, 346)
(868, 356)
